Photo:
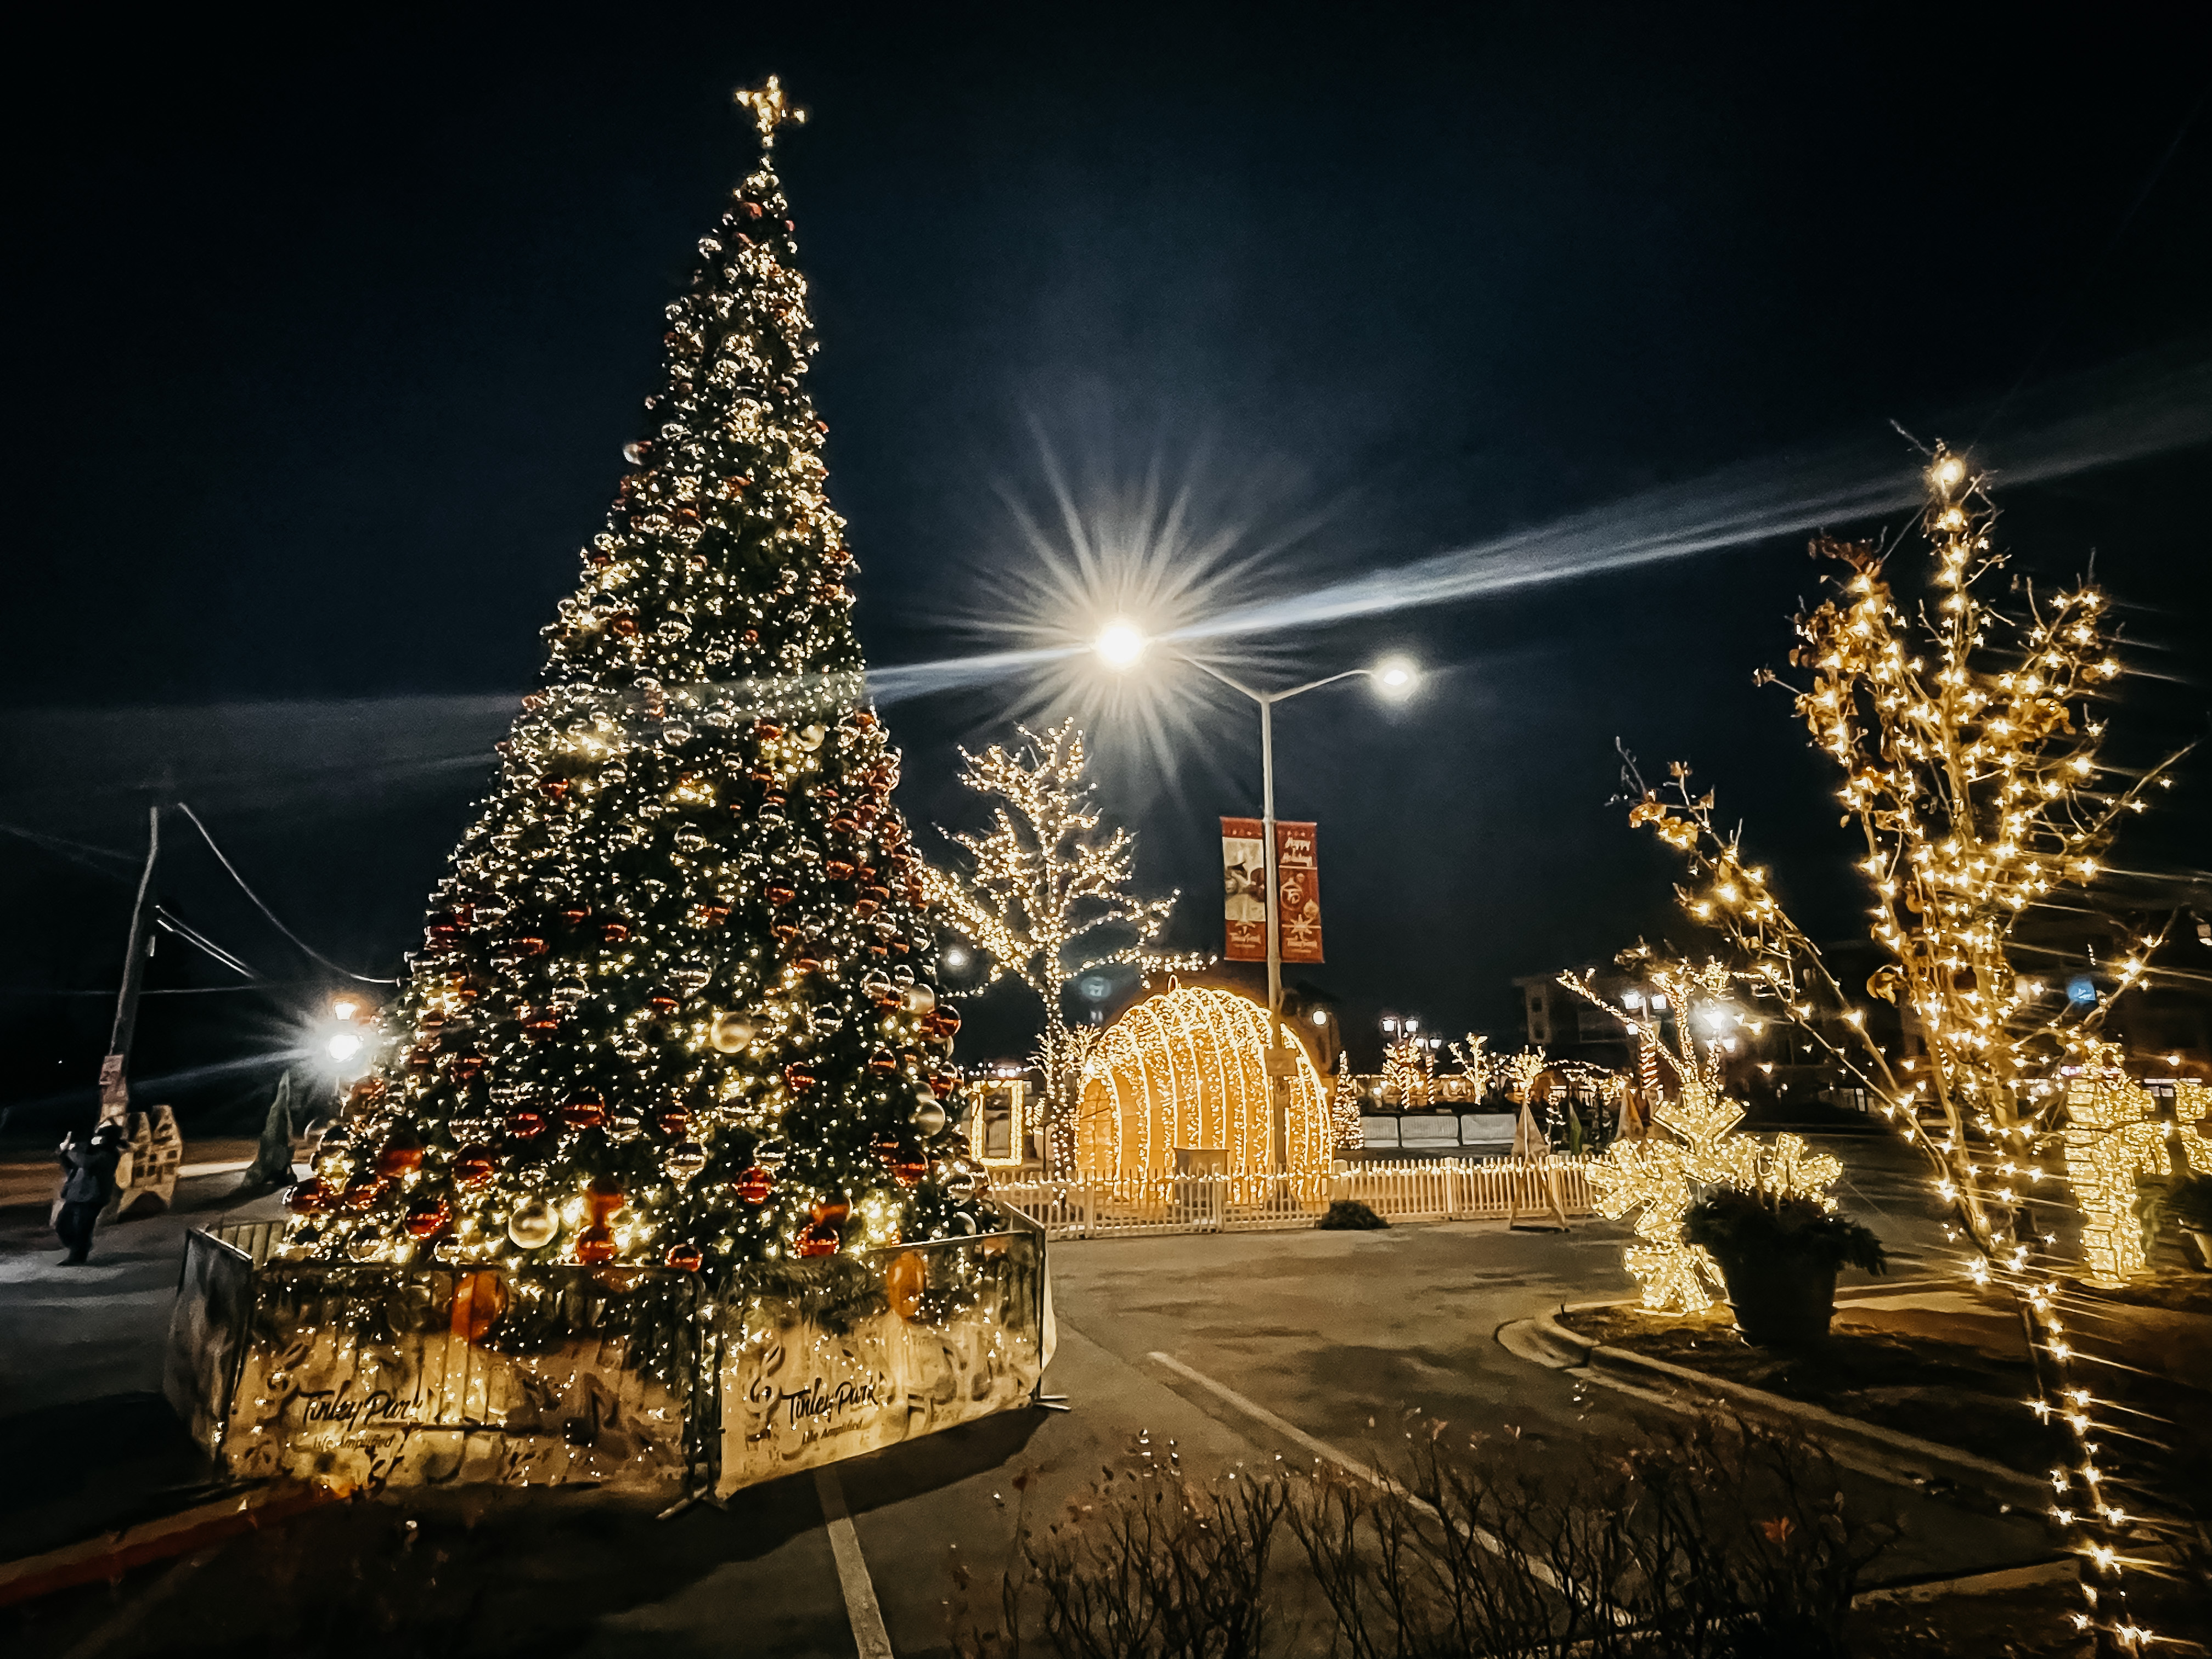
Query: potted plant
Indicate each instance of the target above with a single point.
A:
(2183, 1202)
(1779, 1256)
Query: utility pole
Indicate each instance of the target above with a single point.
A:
(114, 1088)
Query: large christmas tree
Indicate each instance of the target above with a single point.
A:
(673, 1005)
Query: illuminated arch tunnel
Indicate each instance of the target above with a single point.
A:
(1188, 1069)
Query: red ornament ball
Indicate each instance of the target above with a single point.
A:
(428, 1217)
(595, 1245)
(685, 1257)
(909, 1172)
(829, 1212)
(813, 1241)
(308, 1198)
(584, 1112)
(754, 1185)
(361, 1194)
(474, 1165)
(527, 1124)
(401, 1155)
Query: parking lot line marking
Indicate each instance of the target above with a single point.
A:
(869, 1636)
(1321, 1448)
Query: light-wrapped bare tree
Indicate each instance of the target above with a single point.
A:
(1971, 760)
(1045, 897)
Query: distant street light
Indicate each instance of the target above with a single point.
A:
(344, 1038)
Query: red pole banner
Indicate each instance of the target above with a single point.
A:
(1297, 877)
(1244, 890)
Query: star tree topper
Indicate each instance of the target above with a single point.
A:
(770, 108)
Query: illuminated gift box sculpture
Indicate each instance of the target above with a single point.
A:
(1188, 1070)
(2114, 1134)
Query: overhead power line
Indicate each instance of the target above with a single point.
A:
(169, 921)
(274, 920)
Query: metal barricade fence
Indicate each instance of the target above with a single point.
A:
(1436, 1189)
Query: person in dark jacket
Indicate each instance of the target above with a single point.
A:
(87, 1184)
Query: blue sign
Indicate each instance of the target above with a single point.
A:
(2081, 989)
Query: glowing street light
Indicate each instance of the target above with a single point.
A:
(1121, 643)
(344, 1045)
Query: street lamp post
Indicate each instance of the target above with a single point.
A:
(1121, 644)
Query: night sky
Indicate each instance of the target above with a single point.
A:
(323, 349)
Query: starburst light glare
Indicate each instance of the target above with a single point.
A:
(343, 1046)
(1121, 643)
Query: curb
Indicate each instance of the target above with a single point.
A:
(1916, 1460)
(108, 1556)
(2059, 1569)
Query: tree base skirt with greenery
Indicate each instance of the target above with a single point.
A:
(1780, 1301)
(644, 1378)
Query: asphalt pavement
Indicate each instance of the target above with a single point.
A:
(1210, 1352)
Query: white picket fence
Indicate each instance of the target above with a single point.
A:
(1437, 1190)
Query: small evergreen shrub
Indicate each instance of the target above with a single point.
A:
(1731, 1223)
(1350, 1215)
